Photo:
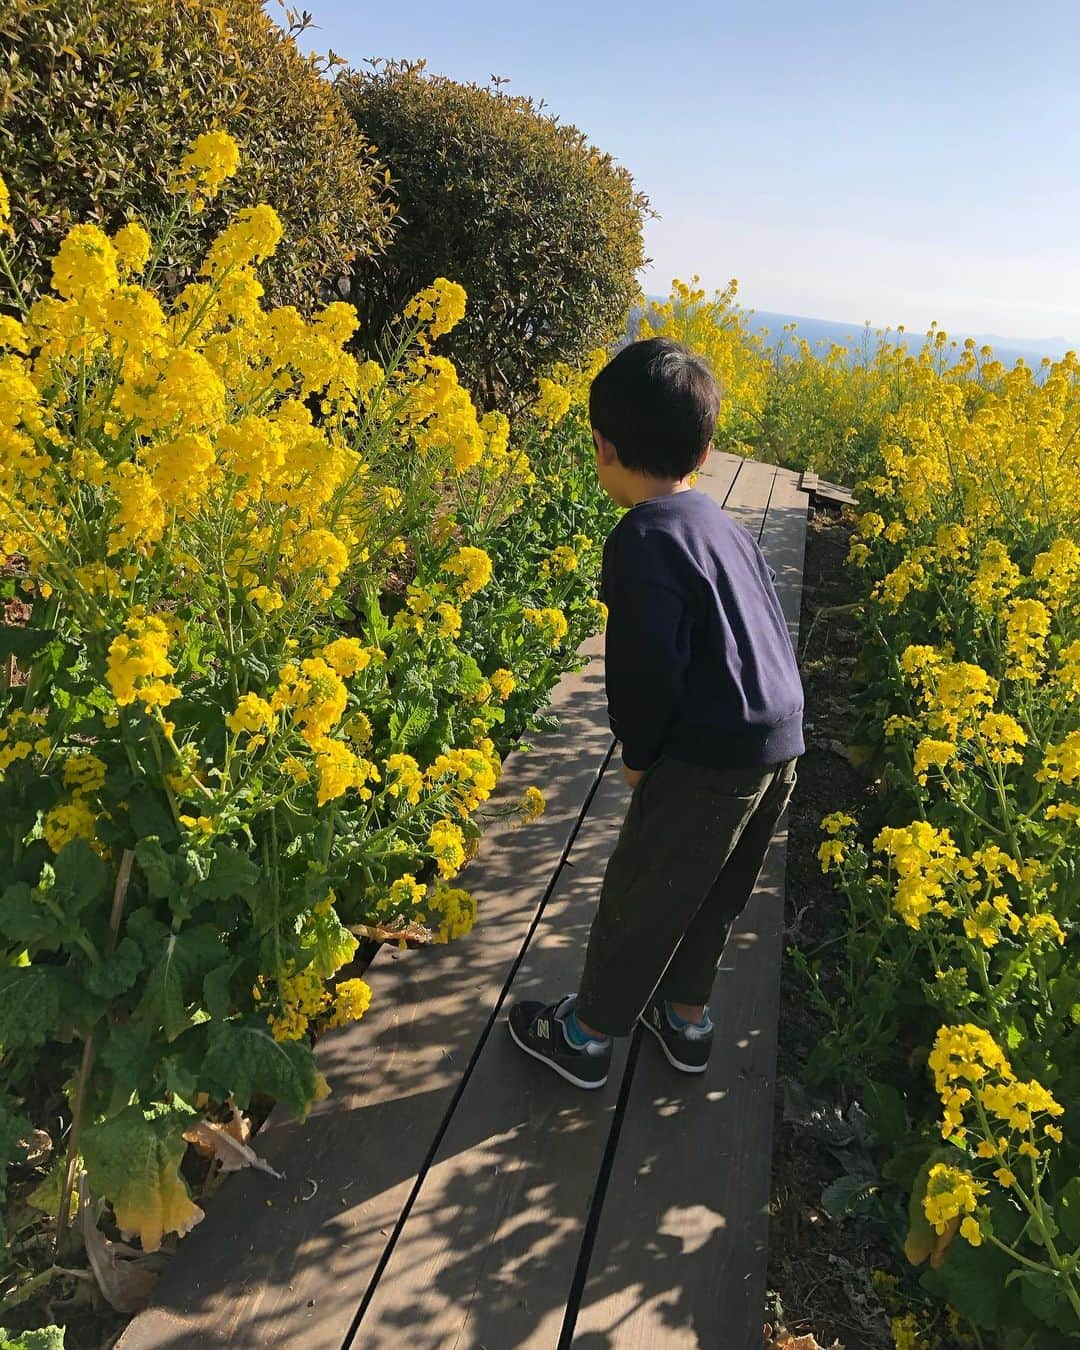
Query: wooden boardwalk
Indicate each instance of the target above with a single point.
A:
(450, 1193)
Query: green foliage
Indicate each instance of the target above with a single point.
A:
(46, 1338)
(244, 1057)
(134, 1155)
(542, 230)
(98, 99)
(176, 891)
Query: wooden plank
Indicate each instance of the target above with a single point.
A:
(288, 1264)
(783, 541)
(488, 1256)
(832, 492)
(680, 1253)
(748, 499)
(718, 474)
(681, 1247)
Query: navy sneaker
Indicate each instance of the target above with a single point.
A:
(537, 1028)
(686, 1047)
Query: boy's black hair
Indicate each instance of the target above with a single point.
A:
(657, 402)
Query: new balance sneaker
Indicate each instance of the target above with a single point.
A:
(686, 1046)
(539, 1030)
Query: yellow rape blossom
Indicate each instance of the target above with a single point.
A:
(438, 308)
(252, 714)
(68, 821)
(502, 683)
(132, 245)
(552, 403)
(471, 570)
(404, 778)
(930, 753)
(951, 1193)
(923, 858)
(352, 998)
(251, 237)
(209, 162)
(85, 266)
(551, 622)
(84, 774)
(347, 656)
(457, 911)
(532, 804)
(447, 844)
(138, 664)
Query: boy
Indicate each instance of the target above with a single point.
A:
(705, 696)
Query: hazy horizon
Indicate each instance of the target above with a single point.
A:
(908, 163)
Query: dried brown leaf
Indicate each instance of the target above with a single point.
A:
(125, 1276)
(239, 1126)
(37, 1146)
(397, 931)
(232, 1153)
(783, 1340)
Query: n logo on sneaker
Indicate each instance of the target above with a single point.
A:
(543, 1028)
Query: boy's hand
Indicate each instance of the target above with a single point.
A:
(633, 776)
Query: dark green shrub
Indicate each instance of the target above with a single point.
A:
(542, 229)
(99, 98)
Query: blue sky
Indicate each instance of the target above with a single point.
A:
(892, 162)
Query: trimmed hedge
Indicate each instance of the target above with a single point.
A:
(98, 98)
(542, 229)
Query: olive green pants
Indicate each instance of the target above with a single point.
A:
(686, 862)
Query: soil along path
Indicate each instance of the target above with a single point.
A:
(820, 1268)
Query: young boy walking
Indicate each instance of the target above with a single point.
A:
(705, 696)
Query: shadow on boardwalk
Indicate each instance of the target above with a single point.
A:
(509, 1157)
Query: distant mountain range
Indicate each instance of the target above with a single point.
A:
(825, 332)
(1006, 349)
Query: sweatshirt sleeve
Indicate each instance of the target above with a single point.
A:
(647, 654)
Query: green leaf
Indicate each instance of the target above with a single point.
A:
(243, 1058)
(330, 943)
(217, 993)
(132, 1160)
(48, 1194)
(24, 919)
(1039, 1227)
(409, 721)
(131, 1055)
(847, 1195)
(23, 643)
(972, 1279)
(176, 978)
(29, 1005)
(148, 931)
(157, 867)
(115, 974)
(1067, 1208)
(1045, 1297)
(82, 876)
(885, 1107)
(45, 1338)
(13, 1127)
(232, 873)
(149, 814)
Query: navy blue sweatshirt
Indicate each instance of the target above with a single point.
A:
(699, 662)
